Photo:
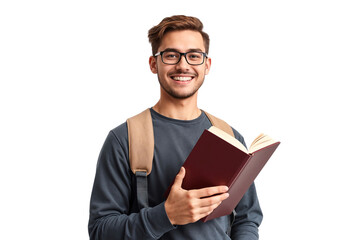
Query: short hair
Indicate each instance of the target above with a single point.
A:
(176, 23)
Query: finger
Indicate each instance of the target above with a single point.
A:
(214, 200)
(210, 191)
(179, 178)
(204, 211)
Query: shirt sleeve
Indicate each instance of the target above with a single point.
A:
(111, 200)
(248, 212)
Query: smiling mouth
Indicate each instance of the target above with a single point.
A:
(182, 79)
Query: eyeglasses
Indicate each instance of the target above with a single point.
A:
(172, 57)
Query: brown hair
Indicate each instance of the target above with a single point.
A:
(177, 22)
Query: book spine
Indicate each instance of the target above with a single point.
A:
(239, 171)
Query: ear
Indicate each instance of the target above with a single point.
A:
(152, 64)
(207, 66)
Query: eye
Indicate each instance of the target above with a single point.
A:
(171, 55)
(194, 56)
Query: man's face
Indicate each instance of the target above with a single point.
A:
(181, 80)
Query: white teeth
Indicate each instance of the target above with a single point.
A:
(182, 78)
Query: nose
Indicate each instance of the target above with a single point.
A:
(182, 64)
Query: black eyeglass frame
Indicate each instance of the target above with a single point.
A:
(181, 54)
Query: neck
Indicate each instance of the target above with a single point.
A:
(182, 109)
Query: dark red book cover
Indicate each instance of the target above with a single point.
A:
(213, 162)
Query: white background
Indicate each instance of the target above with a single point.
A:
(70, 71)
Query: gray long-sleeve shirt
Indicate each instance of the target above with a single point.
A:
(114, 213)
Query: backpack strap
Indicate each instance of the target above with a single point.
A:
(141, 153)
(141, 142)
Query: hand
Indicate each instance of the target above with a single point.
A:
(183, 206)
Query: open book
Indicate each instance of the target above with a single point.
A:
(219, 159)
(260, 142)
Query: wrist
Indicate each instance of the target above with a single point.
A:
(168, 213)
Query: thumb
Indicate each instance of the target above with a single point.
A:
(179, 178)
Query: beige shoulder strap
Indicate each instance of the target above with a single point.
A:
(217, 122)
(141, 142)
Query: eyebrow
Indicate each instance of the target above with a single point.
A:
(189, 50)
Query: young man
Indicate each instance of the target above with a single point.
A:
(180, 61)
